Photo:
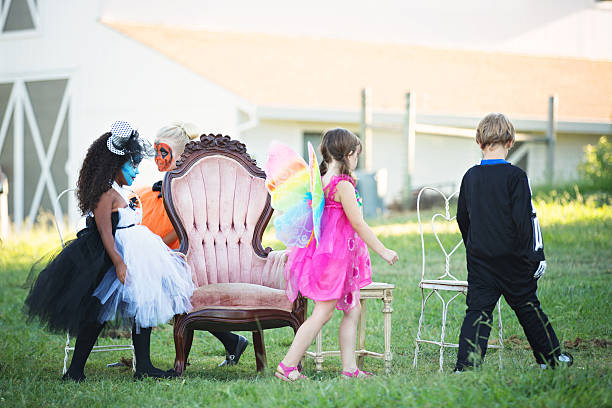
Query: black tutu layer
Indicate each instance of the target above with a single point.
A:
(61, 294)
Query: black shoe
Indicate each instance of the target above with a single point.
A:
(461, 367)
(77, 379)
(232, 359)
(562, 360)
(139, 375)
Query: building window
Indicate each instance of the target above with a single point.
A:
(315, 139)
(18, 16)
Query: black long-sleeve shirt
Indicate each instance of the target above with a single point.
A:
(495, 213)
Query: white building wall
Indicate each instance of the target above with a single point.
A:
(291, 133)
(569, 153)
(439, 159)
(258, 139)
(442, 160)
(113, 78)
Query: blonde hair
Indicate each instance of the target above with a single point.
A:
(337, 144)
(179, 133)
(494, 128)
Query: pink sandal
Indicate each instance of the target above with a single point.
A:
(285, 375)
(357, 374)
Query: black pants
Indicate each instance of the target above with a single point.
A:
(488, 279)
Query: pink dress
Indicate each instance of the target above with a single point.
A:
(338, 266)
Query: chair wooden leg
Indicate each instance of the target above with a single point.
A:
(361, 329)
(179, 344)
(387, 310)
(260, 350)
(319, 351)
(302, 316)
(188, 341)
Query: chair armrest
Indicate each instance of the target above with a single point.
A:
(273, 275)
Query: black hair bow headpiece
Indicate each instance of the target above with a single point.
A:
(125, 141)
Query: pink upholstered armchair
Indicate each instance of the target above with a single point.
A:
(219, 206)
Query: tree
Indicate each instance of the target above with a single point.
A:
(597, 165)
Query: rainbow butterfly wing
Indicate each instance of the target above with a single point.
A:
(288, 181)
(316, 191)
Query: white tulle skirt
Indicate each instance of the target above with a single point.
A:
(158, 284)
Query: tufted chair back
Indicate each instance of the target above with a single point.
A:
(219, 206)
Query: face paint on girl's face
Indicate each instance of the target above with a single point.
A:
(129, 172)
(163, 156)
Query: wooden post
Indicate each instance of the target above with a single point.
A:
(365, 128)
(408, 144)
(4, 215)
(551, 137)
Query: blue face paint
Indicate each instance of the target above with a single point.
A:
(129, 172)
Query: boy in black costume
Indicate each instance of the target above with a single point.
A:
(504, 249)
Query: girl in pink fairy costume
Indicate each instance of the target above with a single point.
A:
(332, 271)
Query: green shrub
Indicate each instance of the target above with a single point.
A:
(596, 168)
(563, 194)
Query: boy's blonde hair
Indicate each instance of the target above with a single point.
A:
(494, 128)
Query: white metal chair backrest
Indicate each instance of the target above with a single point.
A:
(57, 214)
(446, 216)
(67, 348)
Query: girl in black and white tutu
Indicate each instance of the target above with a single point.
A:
(115, 268)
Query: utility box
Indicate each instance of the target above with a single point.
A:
(368, 188)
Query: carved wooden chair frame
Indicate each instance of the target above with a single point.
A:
(223, 319)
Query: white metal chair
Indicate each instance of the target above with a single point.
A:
(445, 282)
(67, 349)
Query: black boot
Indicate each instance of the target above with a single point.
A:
(234, 346)
(86, 339)
(142, 350)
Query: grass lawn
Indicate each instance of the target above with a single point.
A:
(575, 293)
